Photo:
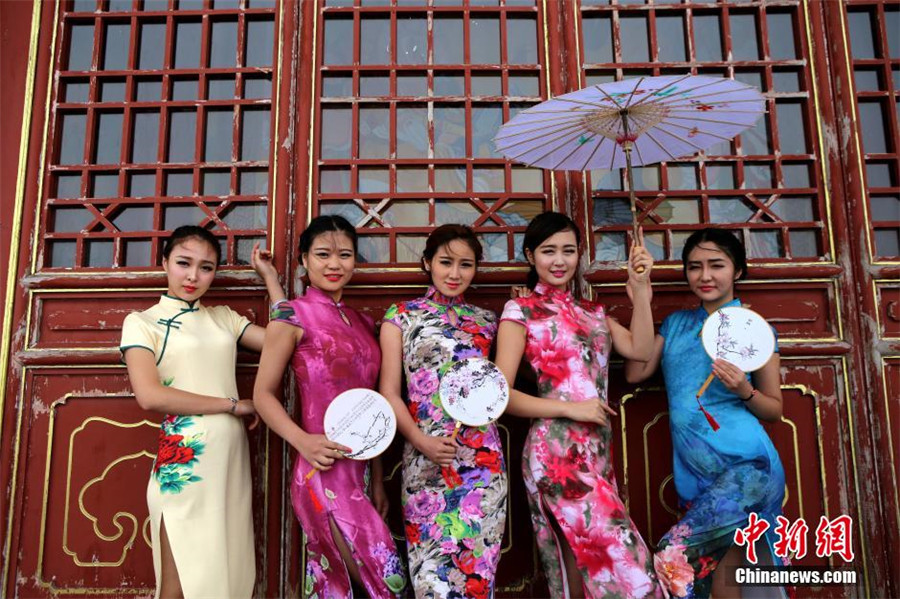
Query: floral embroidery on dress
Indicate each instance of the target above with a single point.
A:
(177, 454)
(566, 465)
(391, 568)
(720, 476)
(455, 516)
(335, 355)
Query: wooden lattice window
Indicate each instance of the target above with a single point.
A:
(765, 184)
(874, 29)
(412, 93)
(161, 117)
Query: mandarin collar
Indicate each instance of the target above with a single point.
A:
(437, 297)
(176, 303)
(701, 311)
(551, 292)
(320, 297)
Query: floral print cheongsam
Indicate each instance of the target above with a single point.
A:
(566, 465)
(200, 484)
(454, 516)
(720, 476)
(332, 357)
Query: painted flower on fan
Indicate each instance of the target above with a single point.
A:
(674, 571)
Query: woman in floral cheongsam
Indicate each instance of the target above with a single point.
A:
(588, 545)
(331, 348)
(722, 476)
(454, 491)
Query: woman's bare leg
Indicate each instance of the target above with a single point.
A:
(169, 583)
(723, 585)
(574, 581)
(346, 553)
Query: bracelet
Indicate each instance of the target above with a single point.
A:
(274, 305)
(753, 393)
(234, 403)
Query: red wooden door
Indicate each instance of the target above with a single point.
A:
(145, 116)
(252, 116)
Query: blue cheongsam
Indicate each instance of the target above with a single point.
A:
(720, 476)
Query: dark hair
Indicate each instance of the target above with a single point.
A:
(725, 240)
(326, 223)
(540, 229)
(186, 232)
(447, 233)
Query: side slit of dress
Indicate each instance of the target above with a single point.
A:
(556, 530)
(340, 539)
(162, 532)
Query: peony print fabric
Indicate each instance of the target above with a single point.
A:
(566, 465)
(454, 516)
(332, 357)
(720, 476)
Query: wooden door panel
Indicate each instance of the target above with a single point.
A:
(86, 466)
(85, 463)
(814, 449)
(803, 311)
(887, 294)
(76, 319)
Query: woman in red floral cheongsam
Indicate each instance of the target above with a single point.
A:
(588, 545)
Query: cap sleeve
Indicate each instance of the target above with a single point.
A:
(512, 311)
(236, 323)
(664, 327)
(285, 312)
(775, 333)
(137, 332)
(396, 315)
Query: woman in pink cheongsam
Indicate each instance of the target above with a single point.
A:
(331, 348)
(588, 545)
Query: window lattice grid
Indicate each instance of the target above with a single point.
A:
(764, 183)
(874, 32)
(162, 117)
(406, 117)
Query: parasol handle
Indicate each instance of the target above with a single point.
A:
(626, 146)
(311, 473)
